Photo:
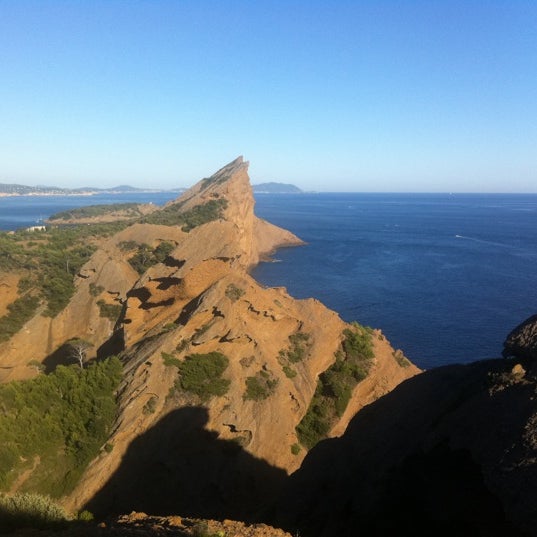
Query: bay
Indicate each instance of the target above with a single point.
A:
(25, 211)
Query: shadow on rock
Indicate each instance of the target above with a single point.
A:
(61, 356)
(179, 467)
(444, 453)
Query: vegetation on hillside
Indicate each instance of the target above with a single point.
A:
(49, 260)
(53, 425)
(299, 343)
(28, 510)
(335, 385)
(19, 312)
(131, 210)
(200, 374)
(47, 263)
(173, 215)
(233, 292)
(260, 386)
(145, 256)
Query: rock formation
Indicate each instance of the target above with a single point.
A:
(223, 453)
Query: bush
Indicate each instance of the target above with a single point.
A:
(233, 292)
(145, 256)
(170, 360)
(60, 419)
(335, 385)
(201, 214)
(19, 312)
(173, 215)
(95, 290)
(201, 374)
(85, 516)
(150, 406)
(289, 372)
(297, 351)
(400, 358)
(109, 311)
(24, 510)
(260, 386)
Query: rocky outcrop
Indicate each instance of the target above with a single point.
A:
(207, 301)
(522, 340)
(178, 451)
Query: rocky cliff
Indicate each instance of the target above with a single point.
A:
(218, 371)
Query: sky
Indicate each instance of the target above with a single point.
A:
(381, 96)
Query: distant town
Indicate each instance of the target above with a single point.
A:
(23, 190)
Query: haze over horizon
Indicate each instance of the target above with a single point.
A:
(370, 96)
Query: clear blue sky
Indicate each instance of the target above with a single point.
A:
(333, 96)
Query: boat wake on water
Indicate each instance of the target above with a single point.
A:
(482, 241)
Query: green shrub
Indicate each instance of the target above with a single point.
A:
(358, 341)
(109, 311)
(142, 259)
(289, 372)
(168, 327)
(299, 345)
(19, 312)
(170, 360)
(127, 246)
(201, 214)
(295, 449)
(233, 292)
(60, 419)
(95, 290)
(182, 345)
(174, 215)
(25, 510)
(201, 374)
(260, 386)
(170, 215)
(150, 406)
(400, 358)
(85, 516)
(145, 256)
(162, 251)
(336, 384)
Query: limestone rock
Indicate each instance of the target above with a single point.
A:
(174, 452)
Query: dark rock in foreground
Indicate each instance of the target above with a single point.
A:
(452, 451)
(522, 341)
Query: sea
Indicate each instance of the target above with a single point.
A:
(445, 276)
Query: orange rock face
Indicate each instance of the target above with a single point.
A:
(201, 299)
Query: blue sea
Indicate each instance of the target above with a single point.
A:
(25, 211)
(446, 277)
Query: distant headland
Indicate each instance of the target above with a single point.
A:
(276, 188)
(23, 190)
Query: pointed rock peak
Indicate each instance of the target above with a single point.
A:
(225, 173)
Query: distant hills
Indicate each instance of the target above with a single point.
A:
(7, 189)
(276, 188)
